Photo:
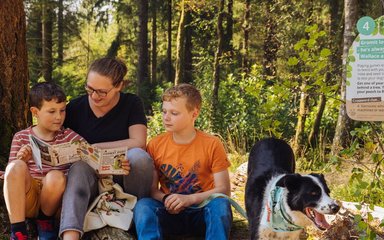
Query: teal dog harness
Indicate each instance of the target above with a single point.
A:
(275, 214)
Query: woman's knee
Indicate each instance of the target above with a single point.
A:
(138, 158)
(80, 169)
(81, 179)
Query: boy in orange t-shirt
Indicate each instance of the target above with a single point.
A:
(190, 165)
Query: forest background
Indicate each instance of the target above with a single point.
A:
(265, 68)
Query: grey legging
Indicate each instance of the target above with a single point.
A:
(82, 187)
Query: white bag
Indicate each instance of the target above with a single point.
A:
(112, 208)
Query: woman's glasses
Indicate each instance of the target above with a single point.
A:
(100, 92)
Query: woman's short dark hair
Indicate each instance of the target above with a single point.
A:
(113, 68)
(45, 91)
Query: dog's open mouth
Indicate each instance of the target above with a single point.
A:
(317, 218)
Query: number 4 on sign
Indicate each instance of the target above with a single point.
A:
(366, 25)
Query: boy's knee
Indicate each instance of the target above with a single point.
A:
(16, 169)
(55, 180)
(143, 205)
(220, 206)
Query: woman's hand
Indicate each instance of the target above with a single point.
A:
(126, 166)
(25, 153)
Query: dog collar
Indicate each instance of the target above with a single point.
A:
(277, 217)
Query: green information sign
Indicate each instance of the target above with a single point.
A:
(365, 72)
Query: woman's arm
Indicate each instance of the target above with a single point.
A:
(137, 139)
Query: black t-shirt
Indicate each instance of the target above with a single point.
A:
(113, 126)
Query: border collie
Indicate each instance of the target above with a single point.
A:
(280, 203)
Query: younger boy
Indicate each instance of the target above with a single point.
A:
(190, 165)
(29, 192)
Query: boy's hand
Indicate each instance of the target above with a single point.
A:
(25, 153)
(126, 166)
(176, 203)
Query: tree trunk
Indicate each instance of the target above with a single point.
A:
(228, 47)
(115, 45)
(142, 69)
(313, 135)
(216, 65)
(34, 34)
(169, 42)
(245, 44)
(47, 40)
(60, 34)
(188, 78)
(13, 74)
(154, 42)
(179, 63)
(108, 233)
(334, 38)
(303, 109)
(271, 44)
(343, 121)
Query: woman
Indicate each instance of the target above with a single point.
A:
(106, 118)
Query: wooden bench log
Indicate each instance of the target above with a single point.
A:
(106, 233)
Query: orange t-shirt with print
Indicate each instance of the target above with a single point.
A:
(187, 168)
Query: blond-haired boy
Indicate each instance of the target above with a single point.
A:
(190, 165)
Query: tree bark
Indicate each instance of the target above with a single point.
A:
(343, 121)
(313, 135)
(228, 46)
(108, 233)
(245, 44)
(142, 69)
(303, 110)
(169, 41)
(188, 77)
(216, 65)
(271, 44)
(334, 41)
(47, 40)
(154, 42)
(335, 38)
(115, 45)
(34, 34)
(13, 74)
(60, 34)
(179, 63)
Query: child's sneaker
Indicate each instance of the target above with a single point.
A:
(46, 229)
(18, 236)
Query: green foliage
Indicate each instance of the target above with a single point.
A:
(312, 59)
(310, 68)
(366, 181)
(155, 121)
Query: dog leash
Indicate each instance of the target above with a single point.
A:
(237, 207)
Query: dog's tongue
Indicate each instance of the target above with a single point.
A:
(320, 220)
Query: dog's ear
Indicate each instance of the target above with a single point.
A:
(289, 181)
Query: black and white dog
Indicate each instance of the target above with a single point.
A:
(280, 203)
